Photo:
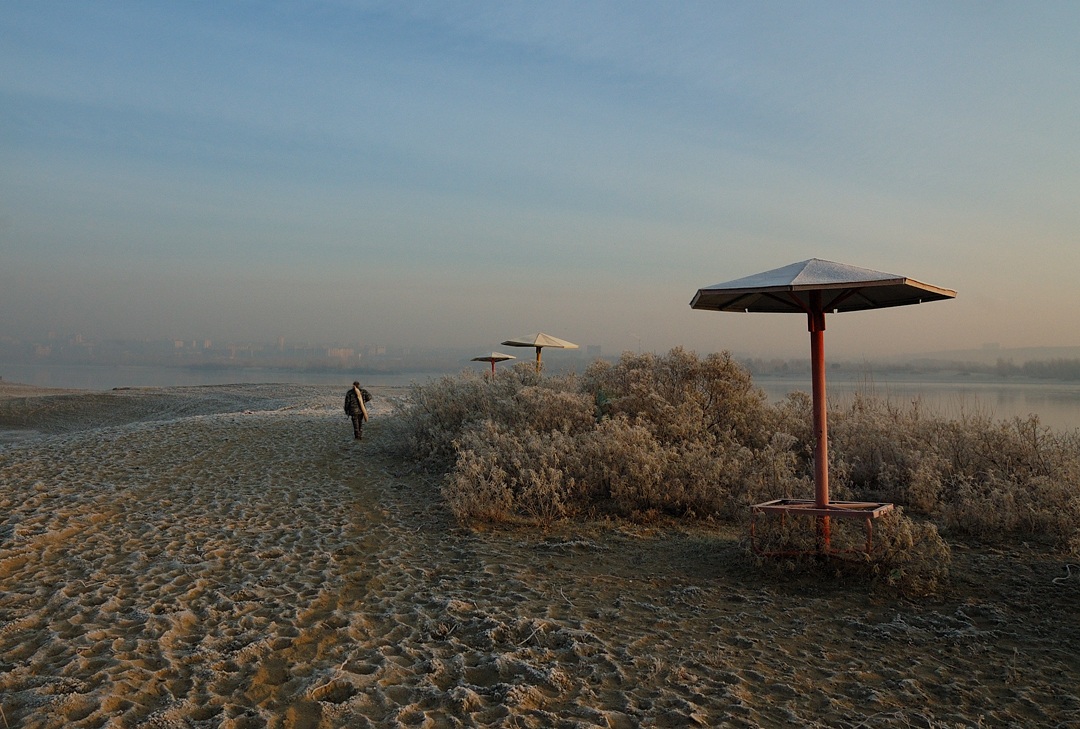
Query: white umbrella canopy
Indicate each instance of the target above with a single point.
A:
(539, 341)
(842, 288)
(815, 287)
(493, 358)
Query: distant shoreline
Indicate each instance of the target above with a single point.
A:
(98, 377)
(21, 389)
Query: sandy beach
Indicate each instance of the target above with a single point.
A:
(230, 557)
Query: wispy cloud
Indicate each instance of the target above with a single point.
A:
(628, 151)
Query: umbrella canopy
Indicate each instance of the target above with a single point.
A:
(493, 358)
(539, 341)
(815, 287)
(842, 288)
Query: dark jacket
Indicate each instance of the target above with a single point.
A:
(352, 403)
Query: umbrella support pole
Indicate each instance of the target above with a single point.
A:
(815, 316)
(867, 511)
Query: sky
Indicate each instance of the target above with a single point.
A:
(431, 174)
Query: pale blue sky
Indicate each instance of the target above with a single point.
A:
(434, 173)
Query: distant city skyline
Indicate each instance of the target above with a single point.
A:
(453, 175)
(77, 348)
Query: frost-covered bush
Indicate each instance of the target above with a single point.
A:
(716, 446)
(682, 435)
(883, 452)
(994, 480)
(622, 468)
(673, 434)
(503, 474)
(681, 397)
(907, 555)
(440, 412)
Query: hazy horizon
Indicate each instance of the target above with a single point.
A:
(421, 174)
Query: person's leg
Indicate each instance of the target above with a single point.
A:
(357, 426)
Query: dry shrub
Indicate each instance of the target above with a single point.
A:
(716, 445)
(884, 455)
(794, 534)
(681, 397)
(478, 488)
(993, 480)
(773, 472)
(995, 508)
(907, 555)
(424, 430)
(621, 467)
(545, 409)
(487, 485)
(438, 413)
(688, 436)
(674, 434)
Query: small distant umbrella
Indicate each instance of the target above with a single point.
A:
(813, 288)
(493, 358)
(539, 341)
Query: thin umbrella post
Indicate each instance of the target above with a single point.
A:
(816, 325)
(538, 358)
(493, 358)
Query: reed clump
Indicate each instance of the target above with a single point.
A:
(691, 437)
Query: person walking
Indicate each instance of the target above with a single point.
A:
(355, 409)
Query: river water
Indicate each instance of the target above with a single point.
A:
(1057, 404)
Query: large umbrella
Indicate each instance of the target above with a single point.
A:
(540, 341)
(815, 287)
(493, 358)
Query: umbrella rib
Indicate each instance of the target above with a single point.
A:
(844, 296)
(798, 302)
(777, 298)
(734, 303)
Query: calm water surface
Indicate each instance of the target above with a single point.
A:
(1057, 404)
